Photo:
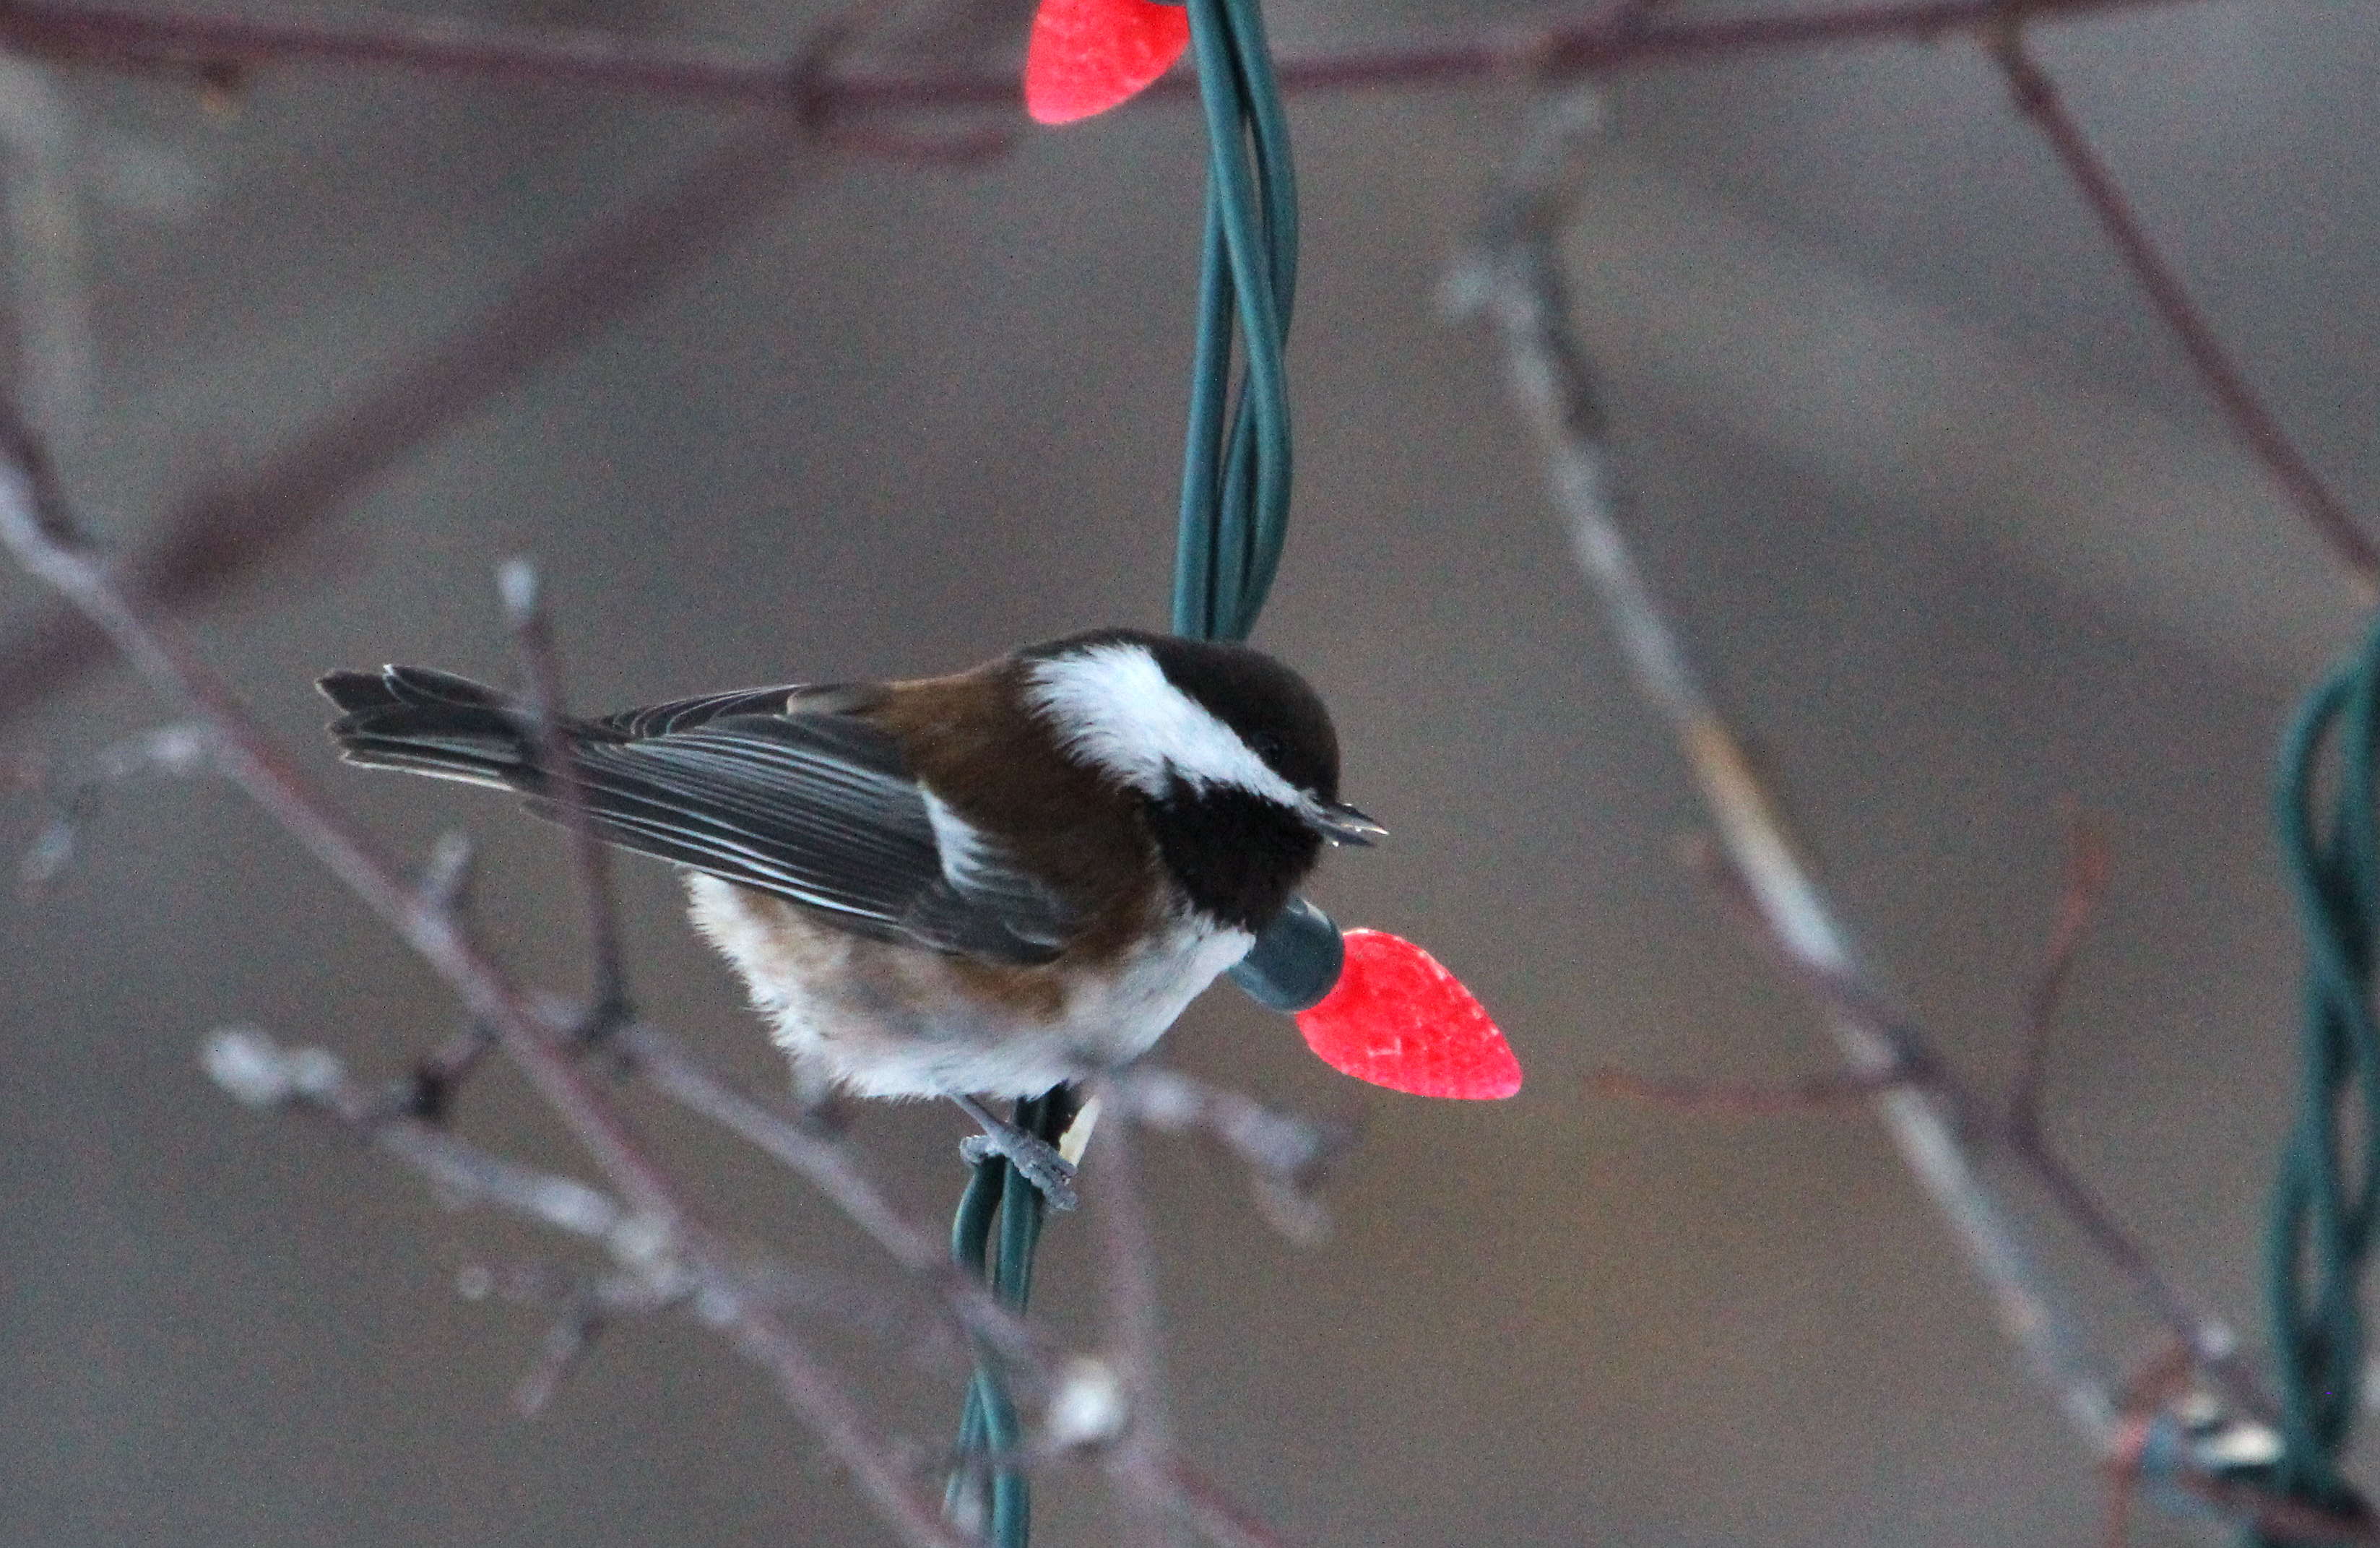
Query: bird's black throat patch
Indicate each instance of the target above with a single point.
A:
(1237, 855)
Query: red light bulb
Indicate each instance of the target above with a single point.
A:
(1085, 56)
(1396, 1019)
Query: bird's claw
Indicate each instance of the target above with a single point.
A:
(1037, 1161)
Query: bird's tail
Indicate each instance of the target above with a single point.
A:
(434, 722)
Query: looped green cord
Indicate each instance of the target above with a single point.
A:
(999, 1194)
(2326, 1203)
(1235, 483)
(1236, 463)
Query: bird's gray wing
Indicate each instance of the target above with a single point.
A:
(819, 809)
(816, 806)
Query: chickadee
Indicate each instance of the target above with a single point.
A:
(976, 885)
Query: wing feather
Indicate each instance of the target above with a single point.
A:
(786, 789)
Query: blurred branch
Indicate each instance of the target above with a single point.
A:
(2086, 882)
(532, 632)
(1288, 1157)
(2253, 424)
(828, 1166)
(846, 1301)
(1611, 37)
(259, 1073)
(1517, 281)
(262, 1074)
(2015, 1128)
(44, 202)
(178, 749)
(1216, 1516)
(1128, 1254)
(33, 527)
(216, 536)
(446, 876)
(643, 1207)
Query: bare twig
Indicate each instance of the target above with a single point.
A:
(1522, 288)
(2163, 1409)
(565, 1343)
(1041, 1368)
(178, 750)
(446, 880)
(1927, 1110)
(1129, 1257)
(542, 671)
(2254, 424)
(2086, 882)
(1608, 38)
(829, 1167)
(2144, 1401)
(1219, 1518)
(44, 202)
(2211, 1342)
(429, 1092)
(221, 535)
(218, 535)
(31, 526)
(765, 1277)
(446, 887)
(1288, 1157)
(1518, 281)
(259, 1073)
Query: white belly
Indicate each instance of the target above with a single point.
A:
(893, 1022)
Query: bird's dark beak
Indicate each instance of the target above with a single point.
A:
(1342, 824)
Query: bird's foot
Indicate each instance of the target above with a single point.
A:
(1036, 1160)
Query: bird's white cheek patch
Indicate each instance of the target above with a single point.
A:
(1112, 705)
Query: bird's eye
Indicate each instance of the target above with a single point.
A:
(1267, 748)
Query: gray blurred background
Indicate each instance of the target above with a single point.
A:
(1955, 527)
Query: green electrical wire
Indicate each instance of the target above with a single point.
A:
(1235, 519)
(2327, 1196)
(998, 1197)
(1236, 455)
